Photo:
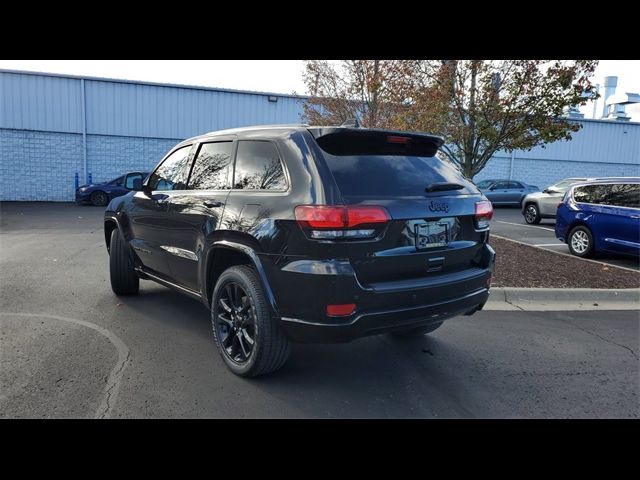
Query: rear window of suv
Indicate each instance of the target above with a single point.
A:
(392, 175)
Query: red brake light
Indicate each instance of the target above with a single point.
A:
(324, 216)
(320, 216)
(332, 222)
(361, 215)
(397, 139)
(484, 213)
(341, 310)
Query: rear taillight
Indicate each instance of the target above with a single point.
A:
(329, 222)
(484, 213)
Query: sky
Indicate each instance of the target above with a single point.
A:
(276, 76)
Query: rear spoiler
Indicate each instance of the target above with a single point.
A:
(365, 141)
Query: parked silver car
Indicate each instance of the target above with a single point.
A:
(537, 206)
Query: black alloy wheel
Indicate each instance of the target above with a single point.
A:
(236, 322)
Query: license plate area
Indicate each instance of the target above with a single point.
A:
(432, 234)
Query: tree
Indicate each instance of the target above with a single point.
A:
(353, 89)
(479, 107)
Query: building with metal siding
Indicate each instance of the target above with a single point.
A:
(53, 127)
(600, 148)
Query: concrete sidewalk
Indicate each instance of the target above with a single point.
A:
(563, 299)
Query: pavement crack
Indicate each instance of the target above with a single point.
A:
(607, 340)
(106, 404)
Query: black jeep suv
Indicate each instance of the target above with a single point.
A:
(309, 234)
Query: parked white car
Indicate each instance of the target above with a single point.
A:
(539, 205)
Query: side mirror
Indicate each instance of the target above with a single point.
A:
(493, 188)
(133, 181)
(546, 190)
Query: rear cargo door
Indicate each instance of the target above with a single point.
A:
(432, 231)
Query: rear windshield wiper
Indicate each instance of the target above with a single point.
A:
(441, 186)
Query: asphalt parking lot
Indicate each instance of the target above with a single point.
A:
(71, 348)
(509, 223)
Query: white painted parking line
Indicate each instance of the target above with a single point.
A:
(523, 225)
(550, 245)
(566, 254)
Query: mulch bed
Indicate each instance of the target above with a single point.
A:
(523, 266)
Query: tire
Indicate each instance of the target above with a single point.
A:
(531, 214)
(417, 331)
(580, 242)
(99, 198)
(124, 279)
(239, 316)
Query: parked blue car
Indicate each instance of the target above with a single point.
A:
(100, 194)
(601, 216)
(506, 192)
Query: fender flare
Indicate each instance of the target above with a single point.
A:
(114, 219)
(257, 264)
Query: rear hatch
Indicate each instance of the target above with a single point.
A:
(432, 234)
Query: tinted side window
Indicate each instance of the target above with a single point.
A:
(212, 166)
(258, 167)
(514, 185)
(173, 173)
(624, 195)
(589, 194)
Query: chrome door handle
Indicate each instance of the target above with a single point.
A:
(635, 216)
(212, 203)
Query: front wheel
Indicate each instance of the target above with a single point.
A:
(581, 242)
(417, 331)
(124, 279)
(531, 214)
(250, 342)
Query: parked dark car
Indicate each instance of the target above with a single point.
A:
(100, 194)
(308, 234)
(601, 216)
(505, 192)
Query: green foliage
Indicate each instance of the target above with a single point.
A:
(478, 106)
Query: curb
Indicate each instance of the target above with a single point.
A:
(545, 299)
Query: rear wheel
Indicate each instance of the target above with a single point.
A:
(99, 199)
(531, 214)
(124, 279)
(249, 341)
(581, 242)
(417, 331)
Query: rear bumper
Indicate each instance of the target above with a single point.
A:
(376, 322)
(312, 285)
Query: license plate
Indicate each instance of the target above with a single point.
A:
(432, 234)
